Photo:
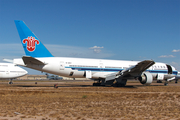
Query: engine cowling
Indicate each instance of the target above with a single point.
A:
(146, 78)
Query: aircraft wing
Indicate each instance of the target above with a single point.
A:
(132, 71)
(31, 60)
(137, 69)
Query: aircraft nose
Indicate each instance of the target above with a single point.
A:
(25, 72)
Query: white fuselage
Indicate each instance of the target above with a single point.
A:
(9, 71)
(97, 68)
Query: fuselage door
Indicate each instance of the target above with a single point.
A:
(101, 66)
(169, 69)
(88, 74)
(7, 72)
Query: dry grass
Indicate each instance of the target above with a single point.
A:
(86, 103)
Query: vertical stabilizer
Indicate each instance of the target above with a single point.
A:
(31, 44)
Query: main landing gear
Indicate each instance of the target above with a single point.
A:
(166, 83)
(114, 83)
(99, 83)
(176, 81)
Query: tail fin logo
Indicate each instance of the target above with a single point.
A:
(31, 43)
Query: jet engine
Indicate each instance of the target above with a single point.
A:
(146, 78)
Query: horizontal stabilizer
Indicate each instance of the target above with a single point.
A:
(8, 60)
(31, 60)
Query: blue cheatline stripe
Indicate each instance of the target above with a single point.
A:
(115, 70)
(162, 71)
(95, 69)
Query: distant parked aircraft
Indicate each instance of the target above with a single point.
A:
(10, 71)
(53, 77)
(105, 72)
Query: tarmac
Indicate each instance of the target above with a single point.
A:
(79, 100)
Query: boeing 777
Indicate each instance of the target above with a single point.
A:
(105, 72)
(11, 71)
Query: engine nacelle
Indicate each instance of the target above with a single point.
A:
(146, 78)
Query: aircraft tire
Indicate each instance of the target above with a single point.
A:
(10, 82)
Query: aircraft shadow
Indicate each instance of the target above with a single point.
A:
(75, 85)
(62, 86)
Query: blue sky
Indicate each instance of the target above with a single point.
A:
(108, 29)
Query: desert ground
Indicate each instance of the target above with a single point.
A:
(79, 100)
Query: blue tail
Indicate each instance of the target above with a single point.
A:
(31, 44)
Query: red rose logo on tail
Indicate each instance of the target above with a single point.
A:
(31, 43)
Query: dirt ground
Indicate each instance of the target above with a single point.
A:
(81, 101)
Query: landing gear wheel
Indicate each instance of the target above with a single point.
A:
(10, 82)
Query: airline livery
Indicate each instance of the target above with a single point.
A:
(10, 71)
(104, 72)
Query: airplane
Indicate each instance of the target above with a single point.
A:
(103, 72)
(53, 77)
(11, 71)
